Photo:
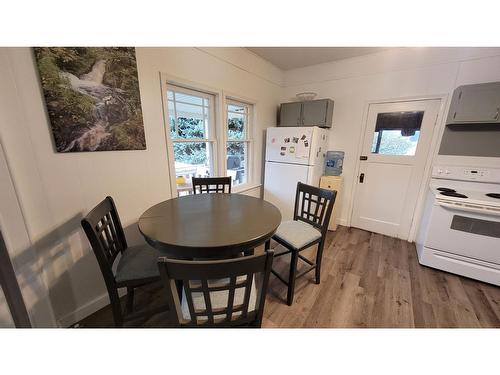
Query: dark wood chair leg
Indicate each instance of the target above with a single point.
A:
(130, 300)
(319, 256)
(267, 246)
(292, 277)
(116, 308)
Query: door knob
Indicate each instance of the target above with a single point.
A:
(361, 178)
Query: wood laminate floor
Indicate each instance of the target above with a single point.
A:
(368, 280)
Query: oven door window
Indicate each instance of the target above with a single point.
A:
(476, 226)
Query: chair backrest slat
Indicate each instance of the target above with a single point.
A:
(105, 233)
(189, 299)
(203, 185)
(208, 305)
(230, 298)
(205, 278)
(314, 205)
(246, 298)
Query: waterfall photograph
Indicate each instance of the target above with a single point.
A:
(92, 97)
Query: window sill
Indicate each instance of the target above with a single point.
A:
(245, 187)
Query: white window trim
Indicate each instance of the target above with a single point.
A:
(167, 79)
(211, 137)
(249, 139)
(220, 129)
(205, 95)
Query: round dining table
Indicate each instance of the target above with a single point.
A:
(209, 225)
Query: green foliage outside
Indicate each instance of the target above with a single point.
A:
(393, 143)
(195, 152)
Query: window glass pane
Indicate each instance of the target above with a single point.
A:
(192, 122)
(236, 108)
(236, 125)
(186, 98)
(171, 123)
(393, 143)
(374, 143)
(191, 159)
(171, 118)
(237, 162)
(189, 116)
(188, 110)
(190, 128)
(397, 133)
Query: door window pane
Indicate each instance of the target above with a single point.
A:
(397, 133)
(237, 161)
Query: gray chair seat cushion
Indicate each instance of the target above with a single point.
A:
(137, 262)
(218, 299)
(297, 233)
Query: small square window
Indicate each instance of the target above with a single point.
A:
(397, 133)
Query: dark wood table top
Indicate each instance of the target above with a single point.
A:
(209, 225)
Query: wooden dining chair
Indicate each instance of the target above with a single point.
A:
(136, 267)
(211, 185)
(313, 208)
(220, 293)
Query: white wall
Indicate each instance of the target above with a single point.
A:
(392, 74)
(56, 190)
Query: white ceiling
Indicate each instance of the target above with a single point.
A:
(287, 58)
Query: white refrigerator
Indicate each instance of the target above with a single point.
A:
(293, 154)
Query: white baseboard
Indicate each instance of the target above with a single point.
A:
(88, 309)
(342, 222)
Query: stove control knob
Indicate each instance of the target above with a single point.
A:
(447, 171)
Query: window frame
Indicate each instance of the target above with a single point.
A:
(219, 134)
(211, 106)
(211, 129)
(248, 139)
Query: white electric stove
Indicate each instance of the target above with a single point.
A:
(460, 229)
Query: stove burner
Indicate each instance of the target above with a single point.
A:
(447, 190)
(493, 195)
(453, 194)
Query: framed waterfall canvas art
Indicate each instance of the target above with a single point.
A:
(92, 97)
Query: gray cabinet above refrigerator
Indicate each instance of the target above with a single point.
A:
(307, 113)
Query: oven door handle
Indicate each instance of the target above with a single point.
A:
(478, 210)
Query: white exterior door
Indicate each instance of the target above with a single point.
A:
(395, 148)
